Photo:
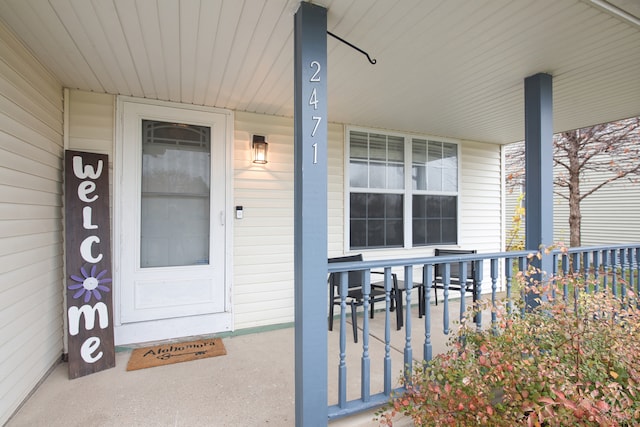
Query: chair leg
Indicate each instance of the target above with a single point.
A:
(399, 316)
(354, 320)
(331, 305)
(331, 316)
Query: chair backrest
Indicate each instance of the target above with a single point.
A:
(455, 267)
(356, 278)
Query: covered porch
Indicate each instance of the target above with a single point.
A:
(446, 74)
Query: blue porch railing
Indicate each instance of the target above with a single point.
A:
(616, 267)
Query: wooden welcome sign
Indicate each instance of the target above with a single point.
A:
(88, 257)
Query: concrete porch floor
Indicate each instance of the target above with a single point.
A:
(253, 385)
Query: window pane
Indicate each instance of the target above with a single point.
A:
(383, 223)
(377, 177)
(358, 206)
(396, 149)
(449, 156)
(433, 231)
(449, 179)
(419, 232)
(393, 208)
(433, 207)
(375, 205)
(435, 154)
(395, 232)
(358, 172)
(358, 145)
(419, 151)
(375, 233)
(358, 233)
(378, 145)
(395, 176)
(419, 207)
(174, 223)
(419, 177)
(434, 220)
(449, 207)
(449, 231)
(434, 179)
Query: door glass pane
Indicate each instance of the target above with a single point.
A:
(175, 194)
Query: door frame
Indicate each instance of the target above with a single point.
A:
(154, 330)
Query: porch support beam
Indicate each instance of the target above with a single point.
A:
(310, 214)
(538, 170)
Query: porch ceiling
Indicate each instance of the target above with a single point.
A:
(448, 68)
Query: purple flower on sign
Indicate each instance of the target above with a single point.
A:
(89, 284)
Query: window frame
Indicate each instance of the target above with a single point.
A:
(407, 192)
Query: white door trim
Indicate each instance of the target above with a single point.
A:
(126, 333)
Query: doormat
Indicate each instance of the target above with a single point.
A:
(166, 354)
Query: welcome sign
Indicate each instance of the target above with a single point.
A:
(88, 258)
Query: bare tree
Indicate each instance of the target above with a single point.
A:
(603, 153)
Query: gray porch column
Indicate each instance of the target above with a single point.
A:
(538, 169)
(310, 205)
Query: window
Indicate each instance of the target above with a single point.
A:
(388, 208)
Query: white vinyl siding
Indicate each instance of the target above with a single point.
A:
(263, 280)
(480, 198)
(31, 153)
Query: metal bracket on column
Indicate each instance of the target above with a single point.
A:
(372, 61)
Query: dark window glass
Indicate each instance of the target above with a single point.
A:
(435, 220)
(382, 222)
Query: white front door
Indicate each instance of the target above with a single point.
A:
(171, 222)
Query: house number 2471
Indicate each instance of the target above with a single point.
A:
(314, 101)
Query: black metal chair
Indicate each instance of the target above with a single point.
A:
(455, 281)
(354, 292)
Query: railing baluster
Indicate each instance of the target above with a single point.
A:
(508, 273)
(408, 352)
(366, 361)
(477, 271)
(462, 268)
(605, 269)
(494, 288)
(522, 266)
(596, 270)
(342, 368)
(387, 331)
(446, 278)
(637, 265)
(554, 275)
(565, 274)
(623, 273)
(586, 267)
(614, 275)
(427, 279)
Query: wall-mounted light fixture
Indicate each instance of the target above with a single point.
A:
(259, 146)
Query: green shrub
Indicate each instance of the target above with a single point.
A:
(558, 365)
